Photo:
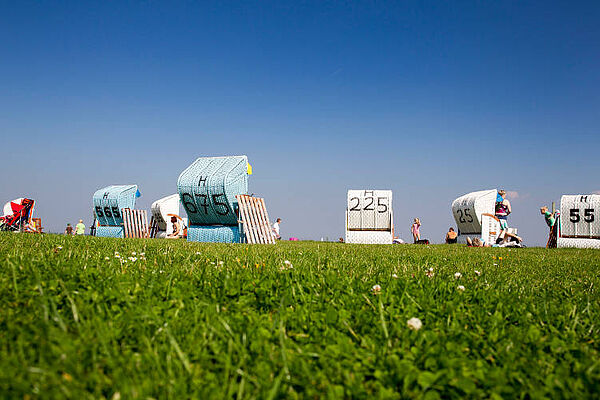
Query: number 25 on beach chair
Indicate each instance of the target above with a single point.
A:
(474, 216)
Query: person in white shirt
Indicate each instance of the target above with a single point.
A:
(176, 229)
(276, 229)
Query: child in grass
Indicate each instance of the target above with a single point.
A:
(415, 230)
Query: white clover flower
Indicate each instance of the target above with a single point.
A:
(461, 288)
(197, 253)
(117, 256)
(133, 253)
(59, 247)
(414, 323)
(132, 259)
(107, 258)
(495, 265)
(287, 264)
(395, 276)
(457, 275)
(142, 254)
(430, 272)
(376, 289)
(478, 273)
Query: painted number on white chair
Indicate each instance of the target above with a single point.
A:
(369, 209)
(464, 215)
(580, 216)
(369, 203)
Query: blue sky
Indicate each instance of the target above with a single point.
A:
(429, 99)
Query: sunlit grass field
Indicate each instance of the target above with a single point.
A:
(84, 317)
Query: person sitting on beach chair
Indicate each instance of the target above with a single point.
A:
(176, 229)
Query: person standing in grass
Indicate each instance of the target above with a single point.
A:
(80, 228)
(69, 230)
(503, 209)
(276, 229)
(415, 229)
(551, 222)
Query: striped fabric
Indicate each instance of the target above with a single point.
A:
(135, 223)
(255, 220)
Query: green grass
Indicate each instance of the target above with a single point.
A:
(180, 324)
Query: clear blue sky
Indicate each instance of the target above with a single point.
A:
(429, 99)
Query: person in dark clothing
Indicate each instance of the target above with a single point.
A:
(451, 236)
(69, 230)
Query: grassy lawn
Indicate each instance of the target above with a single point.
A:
(171, 319)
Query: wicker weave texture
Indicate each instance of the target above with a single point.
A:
(208, 187)
(214, 234)
(109, 201)
(580, 216)
(109, 231)
(369, 237)
(579, 243)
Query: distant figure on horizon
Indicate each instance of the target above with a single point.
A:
(69, 230)
(415, 230)
(451, 236)
(80, 228)
(276, 229)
